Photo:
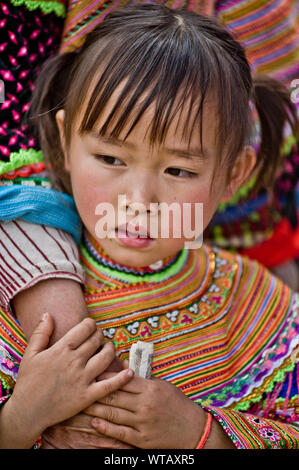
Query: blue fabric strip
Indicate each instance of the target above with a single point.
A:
(40, 206)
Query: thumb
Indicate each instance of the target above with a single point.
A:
(41, 335)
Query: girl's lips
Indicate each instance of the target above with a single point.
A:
(133, 240)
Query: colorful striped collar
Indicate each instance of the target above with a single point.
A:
(105, 267)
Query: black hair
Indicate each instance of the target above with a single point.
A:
(175, 58)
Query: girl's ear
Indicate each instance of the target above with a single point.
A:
(60, 122)
(242, 169)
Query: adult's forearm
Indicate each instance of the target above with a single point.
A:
(63, 298)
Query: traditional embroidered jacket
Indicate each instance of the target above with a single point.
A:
(225, 331)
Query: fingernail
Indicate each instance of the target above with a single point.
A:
(95, 422)
(130, 372)
(45, 316)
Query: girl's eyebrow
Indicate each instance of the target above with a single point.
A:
(111, 140)
(190, 153)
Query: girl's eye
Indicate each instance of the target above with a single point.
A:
(181, 173)
(113, 161)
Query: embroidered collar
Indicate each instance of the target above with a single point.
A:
(157, 272)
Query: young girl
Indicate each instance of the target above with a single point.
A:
(155, 107)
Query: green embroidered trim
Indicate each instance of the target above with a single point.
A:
(129, 277)
(277, 375)
(21, 158)
(47, 7)
(278, 378)
(29, 181)
(282, 399)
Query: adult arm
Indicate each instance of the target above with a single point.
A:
(39, 272)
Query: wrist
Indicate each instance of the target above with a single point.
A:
(218, 439)
(16, 431)
(206, 432)
(195, 426)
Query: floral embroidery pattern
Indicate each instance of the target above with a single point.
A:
(207, 305)
(8, 364)
(269, 433)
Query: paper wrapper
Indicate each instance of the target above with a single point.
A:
(141, 358)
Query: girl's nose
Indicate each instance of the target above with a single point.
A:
(141, 195)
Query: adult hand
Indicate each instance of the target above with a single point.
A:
(77, 433)
(149, 414)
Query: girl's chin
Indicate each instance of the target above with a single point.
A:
(139, 252)
(135, 257)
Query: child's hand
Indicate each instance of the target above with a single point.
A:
(56, 383)
(149, 414)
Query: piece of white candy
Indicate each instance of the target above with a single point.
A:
(141, 358)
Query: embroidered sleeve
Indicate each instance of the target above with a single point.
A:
(12, 347)
(251, 432)
(6, 386)
(30, 253)
(9, 363)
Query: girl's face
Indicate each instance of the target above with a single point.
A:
(101, 169)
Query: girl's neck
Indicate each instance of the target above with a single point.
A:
(102, 255)
(160, 271)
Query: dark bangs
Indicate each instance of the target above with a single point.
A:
(173, 58)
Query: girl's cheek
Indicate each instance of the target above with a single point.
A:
(208, 206)
(89, 191)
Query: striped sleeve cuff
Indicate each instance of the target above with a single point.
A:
(252, 432)
(30, 253)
